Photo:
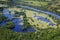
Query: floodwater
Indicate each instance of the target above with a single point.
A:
(16, 21)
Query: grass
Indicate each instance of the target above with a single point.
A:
(43, 34)
(3, 5)
(50, 6)
(34, 3)
(41, 23)
(3, 0)
(36, 23)
(16, 9)
(31, 14)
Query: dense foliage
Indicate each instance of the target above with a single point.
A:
(42, 34)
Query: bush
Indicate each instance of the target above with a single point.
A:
(10, 25)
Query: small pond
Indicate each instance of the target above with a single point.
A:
(16, 21)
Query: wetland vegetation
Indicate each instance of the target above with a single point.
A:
(36, 25)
